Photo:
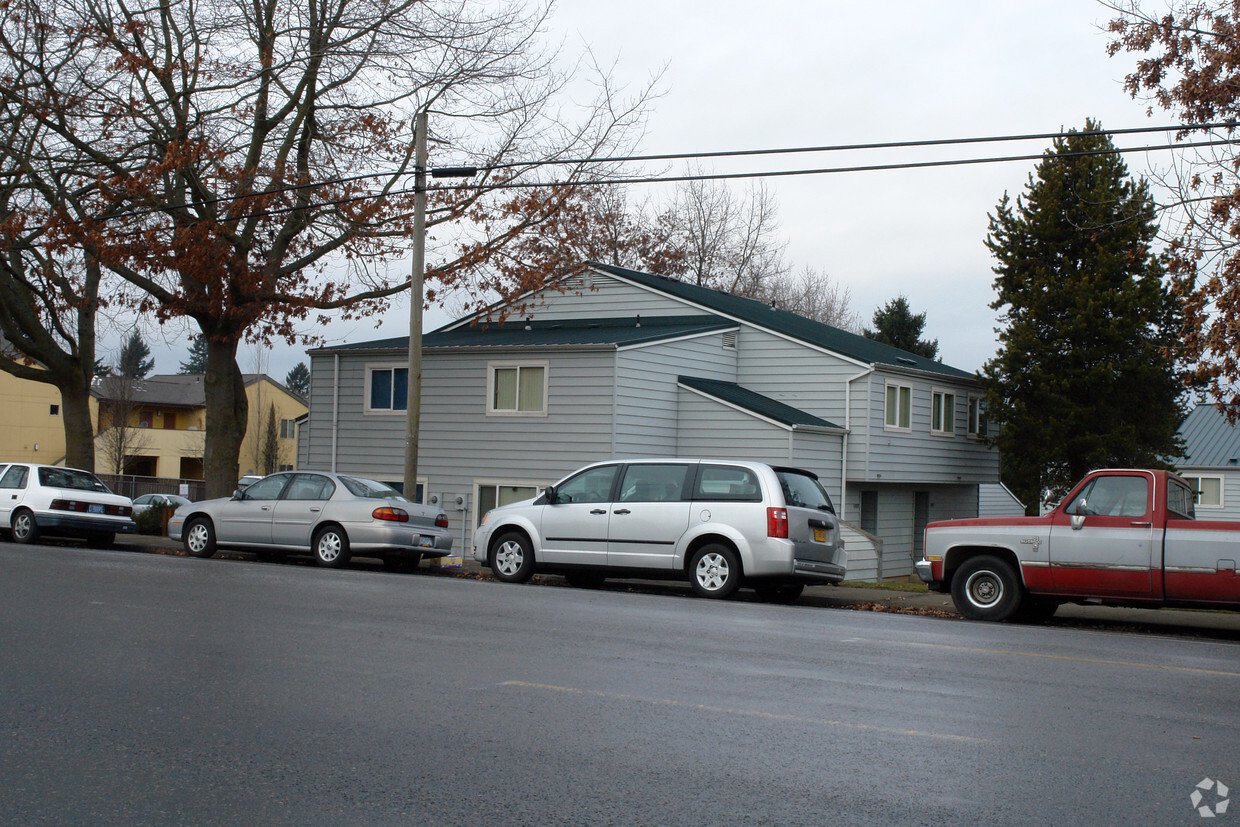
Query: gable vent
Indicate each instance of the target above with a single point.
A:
(729, 339)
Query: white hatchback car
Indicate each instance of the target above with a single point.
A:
(718, 523)
(61, 502)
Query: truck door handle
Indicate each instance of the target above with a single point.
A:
(623, 511)
(1140, 525)
(598, 511)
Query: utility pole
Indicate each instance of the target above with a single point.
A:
(413, 419)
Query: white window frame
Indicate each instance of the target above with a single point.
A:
(480, 484)
(976, 415)
(898, 386)
(519, 365)
(938, 404)
(370, 369)
(1194, 482)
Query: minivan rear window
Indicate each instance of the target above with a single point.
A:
(801, 490)
(727, 483)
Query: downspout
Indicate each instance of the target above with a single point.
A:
(335, 408)
(847, 433)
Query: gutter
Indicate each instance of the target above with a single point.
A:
(847, 432)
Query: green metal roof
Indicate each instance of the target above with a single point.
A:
(755, 402)
(617, 332)
(806, 330)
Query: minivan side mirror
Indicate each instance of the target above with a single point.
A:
(550, 493)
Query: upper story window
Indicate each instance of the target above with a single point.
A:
(899, 407)
(387, 388)
(517, 389)
(977, 416)
(287, 428)
(942, 412)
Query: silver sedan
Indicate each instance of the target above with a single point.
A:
(331, 516)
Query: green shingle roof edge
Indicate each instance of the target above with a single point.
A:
(790, 324)
(754, 402)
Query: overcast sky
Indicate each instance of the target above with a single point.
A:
(785, 73)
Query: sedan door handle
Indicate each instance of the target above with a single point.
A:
(598, 511)
(623, 511)
(266, 508)
(315, 510)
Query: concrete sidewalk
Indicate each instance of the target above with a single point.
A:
(860, 597)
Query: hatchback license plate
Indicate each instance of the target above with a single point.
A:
(820, 535)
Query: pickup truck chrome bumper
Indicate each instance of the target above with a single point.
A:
(923, 571)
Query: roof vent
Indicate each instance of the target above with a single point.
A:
(529, 322)
(906, 360)
(729, 339)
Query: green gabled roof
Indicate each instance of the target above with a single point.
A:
(806, 330)
(617, 332)
(734, 394)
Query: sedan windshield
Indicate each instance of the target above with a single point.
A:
(802, 490)
(371, 490)
(71, 478)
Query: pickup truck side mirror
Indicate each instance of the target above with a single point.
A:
(1078, 510)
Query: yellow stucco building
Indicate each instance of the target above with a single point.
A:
(152, 428)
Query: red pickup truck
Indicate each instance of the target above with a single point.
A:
(1122, 536)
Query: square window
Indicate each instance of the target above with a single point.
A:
(1207, 491)
(53, 410)
(517, 390)
(389, 388)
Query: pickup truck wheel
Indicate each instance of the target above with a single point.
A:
(512, 558)
(714, 571)
(986, 588)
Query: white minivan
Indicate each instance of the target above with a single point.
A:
(718, 523)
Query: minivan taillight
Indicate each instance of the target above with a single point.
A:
(777, 522)
(391, 515)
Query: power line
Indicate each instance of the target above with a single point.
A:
(625, 180)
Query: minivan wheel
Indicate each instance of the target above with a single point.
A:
(25, 529)
(331, 547)
(714, 571)
(512, 558)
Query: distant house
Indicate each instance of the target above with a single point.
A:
(1211, 462)
(155, 427)
(614, 363)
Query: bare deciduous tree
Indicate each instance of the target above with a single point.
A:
(238, 149)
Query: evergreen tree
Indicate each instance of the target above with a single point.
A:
(896, 325)
(269, 447)
(134, 361)
(298, 380)
(1084, 377)
(197, 361)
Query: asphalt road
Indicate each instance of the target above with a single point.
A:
(158, 689)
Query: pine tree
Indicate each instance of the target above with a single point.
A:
(134, 361)
(298, 380)
(1084, 377)
(896, 325)
(197, 360)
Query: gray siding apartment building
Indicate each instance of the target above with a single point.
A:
(613, 363)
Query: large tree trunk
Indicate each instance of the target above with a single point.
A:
(227, 411)
(79, 430)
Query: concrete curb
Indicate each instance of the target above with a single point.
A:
(1202, 623)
